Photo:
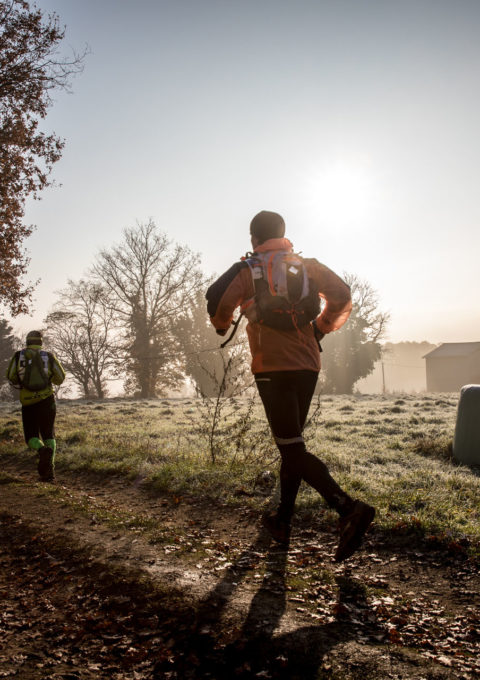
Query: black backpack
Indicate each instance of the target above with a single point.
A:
(285, 298)
(32, 370)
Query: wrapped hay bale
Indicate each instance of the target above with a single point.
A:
(466, 442)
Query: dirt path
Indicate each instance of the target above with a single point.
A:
(99, 579)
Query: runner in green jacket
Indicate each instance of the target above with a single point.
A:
(35, 371)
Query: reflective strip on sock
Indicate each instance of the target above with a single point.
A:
(291, 440)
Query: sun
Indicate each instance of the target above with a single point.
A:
(341, 192)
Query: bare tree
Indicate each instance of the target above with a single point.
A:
(351, 352)
(150, 281)
(81, 332)
(366, 307)
(204, 362)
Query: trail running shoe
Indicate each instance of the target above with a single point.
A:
(278, 529)
(352, 529)
(45, 464)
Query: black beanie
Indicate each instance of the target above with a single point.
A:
(34, 338)
(267, 225)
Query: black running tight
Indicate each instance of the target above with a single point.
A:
(286, 396)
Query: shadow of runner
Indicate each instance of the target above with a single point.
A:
(294, 655)
(210, 610)
(269, 603)
(255, 651)
(202, 654)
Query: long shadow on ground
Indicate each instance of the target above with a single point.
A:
(253, 650)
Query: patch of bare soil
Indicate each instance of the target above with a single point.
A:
(103, 580)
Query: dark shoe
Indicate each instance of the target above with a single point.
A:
(278, 529)
(352, 529)
(45, 464)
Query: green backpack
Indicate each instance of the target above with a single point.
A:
(33, 370)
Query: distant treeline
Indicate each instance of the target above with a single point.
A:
(139, 319)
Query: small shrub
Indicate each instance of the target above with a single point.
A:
(395, 446)
(11, 432)
(434, 447)
(79, 437)
(332, 423)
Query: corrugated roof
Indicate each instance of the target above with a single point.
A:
(454, 349)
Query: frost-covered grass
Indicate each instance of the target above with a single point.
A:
(392, 451)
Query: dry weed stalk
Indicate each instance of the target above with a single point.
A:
(221, 431)
(228, 419)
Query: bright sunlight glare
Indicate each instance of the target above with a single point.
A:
(341, 193)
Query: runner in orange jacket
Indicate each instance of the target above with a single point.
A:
(286, 364)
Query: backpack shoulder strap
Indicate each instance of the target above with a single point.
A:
(255, 264)
(272, 268)
(47, 359)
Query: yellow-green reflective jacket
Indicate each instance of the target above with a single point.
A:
(16, 370)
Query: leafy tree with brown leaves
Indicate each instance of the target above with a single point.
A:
(30, 69)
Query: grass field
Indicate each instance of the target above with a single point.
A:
(393, 451)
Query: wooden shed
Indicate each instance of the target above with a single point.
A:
(452, 365)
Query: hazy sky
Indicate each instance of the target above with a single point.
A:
(356, 120)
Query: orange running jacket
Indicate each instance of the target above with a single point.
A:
(277, 350)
